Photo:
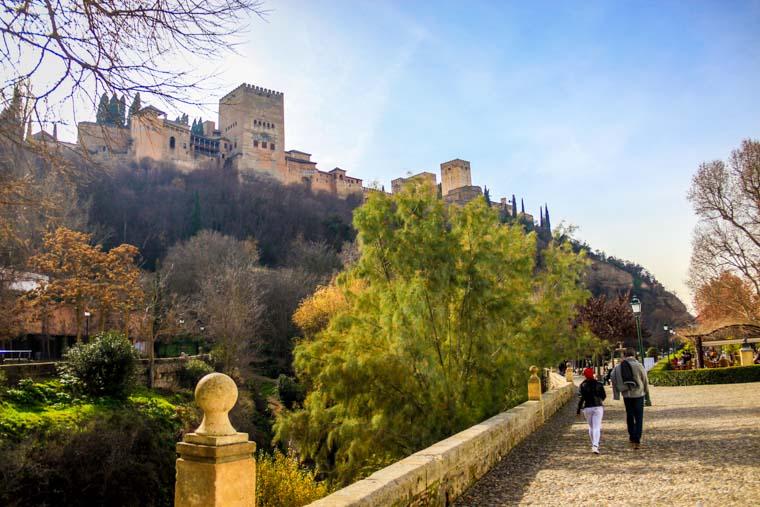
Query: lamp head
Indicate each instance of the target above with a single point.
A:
(636, 305)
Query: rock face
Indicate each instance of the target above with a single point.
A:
(659, 306)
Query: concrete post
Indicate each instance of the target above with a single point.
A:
(215, 465)
(569, 373)
(746, 356)
(534, 385)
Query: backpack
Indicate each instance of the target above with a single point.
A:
(626, 372)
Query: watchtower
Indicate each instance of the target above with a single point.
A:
(253, 119)
(455, 174)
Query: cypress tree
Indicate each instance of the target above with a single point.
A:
(487, 195)
(514, 206)
(547, 223)
(121, 120)
(134, 108)
(522, 205)
(540, 217)
(113, 111)
(101, 116)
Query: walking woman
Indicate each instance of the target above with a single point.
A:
(591, 401)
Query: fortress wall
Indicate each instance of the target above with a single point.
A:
(439, 474)
(100, 139)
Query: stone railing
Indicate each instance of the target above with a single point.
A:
(439, 474)
(216, 466)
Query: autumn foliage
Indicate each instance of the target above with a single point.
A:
(727, 298)
(85, 277)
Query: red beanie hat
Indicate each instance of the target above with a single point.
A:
(588, 373)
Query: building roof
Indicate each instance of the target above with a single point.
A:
(151, 109)
(298, 152)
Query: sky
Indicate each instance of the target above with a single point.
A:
(603, 110)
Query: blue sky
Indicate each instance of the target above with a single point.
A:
(601, 109)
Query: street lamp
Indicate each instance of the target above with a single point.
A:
(87, 316)
(636, 308)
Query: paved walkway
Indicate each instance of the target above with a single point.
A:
(701, 447)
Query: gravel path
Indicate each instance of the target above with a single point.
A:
(701, 447)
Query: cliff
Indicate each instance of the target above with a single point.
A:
(612, 277)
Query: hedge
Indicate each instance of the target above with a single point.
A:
(660, 376)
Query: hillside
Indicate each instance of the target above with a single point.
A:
(611, 277)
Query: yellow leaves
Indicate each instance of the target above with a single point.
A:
(84, 275)
(314, 313)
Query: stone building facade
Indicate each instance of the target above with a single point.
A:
(250, 137)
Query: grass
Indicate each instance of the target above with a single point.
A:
(21, 415)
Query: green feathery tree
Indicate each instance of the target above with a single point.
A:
(101, 116)
(440, 319)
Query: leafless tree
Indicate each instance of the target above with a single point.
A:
(72, 49)
(726, 198)
(231, 307)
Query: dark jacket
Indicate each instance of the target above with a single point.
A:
(591, 393)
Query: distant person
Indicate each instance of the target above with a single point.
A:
(630, 379)
(562, 368)
(592, 396)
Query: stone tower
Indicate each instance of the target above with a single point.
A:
(455, 174)
(253, 119)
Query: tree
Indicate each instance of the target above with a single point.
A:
(487, 196)
(610, 320)
(230, 306)
(726, 198)
(121, 120)
(134, 108)
(547, 222)
(113, 111)
(84, 277)
(102, 115)
(195, 219)
(727, 298)
(429, 331)
(514, 207)
(119, 47)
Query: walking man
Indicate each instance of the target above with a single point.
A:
(629, 378)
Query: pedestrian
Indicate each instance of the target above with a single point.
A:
(592, 396)
(629, 378)
(562, 368)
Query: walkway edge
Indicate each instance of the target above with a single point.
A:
(439, 474)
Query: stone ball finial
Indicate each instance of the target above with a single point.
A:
(533, 370)
(216, 394)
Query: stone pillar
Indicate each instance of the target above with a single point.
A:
(746, 356)
(569, 373)
(534, 385)
(215, 465)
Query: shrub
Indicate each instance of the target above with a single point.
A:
(661, 376)
(104, 367)
(289, 391)
(282, 482)
(652, 352)
(124, 459)
(193, 371)
(29, 392)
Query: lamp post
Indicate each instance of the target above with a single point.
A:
(87, 316)
(636, 308)
(667, 340)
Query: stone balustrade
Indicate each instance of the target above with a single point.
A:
(216, 467)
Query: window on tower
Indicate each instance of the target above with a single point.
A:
(255, 144)
(271, 146)
(264, 144)
(172, 143)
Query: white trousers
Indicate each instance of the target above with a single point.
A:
(593, 417)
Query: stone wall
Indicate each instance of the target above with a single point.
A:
(439, 474)
(165, 372)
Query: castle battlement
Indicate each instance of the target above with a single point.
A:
(258, 90)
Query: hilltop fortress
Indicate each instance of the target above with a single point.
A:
(249, 136)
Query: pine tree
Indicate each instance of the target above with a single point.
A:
(514, 206)
(101, 116)
(134, 108)
(547, 223)
(185, 119)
